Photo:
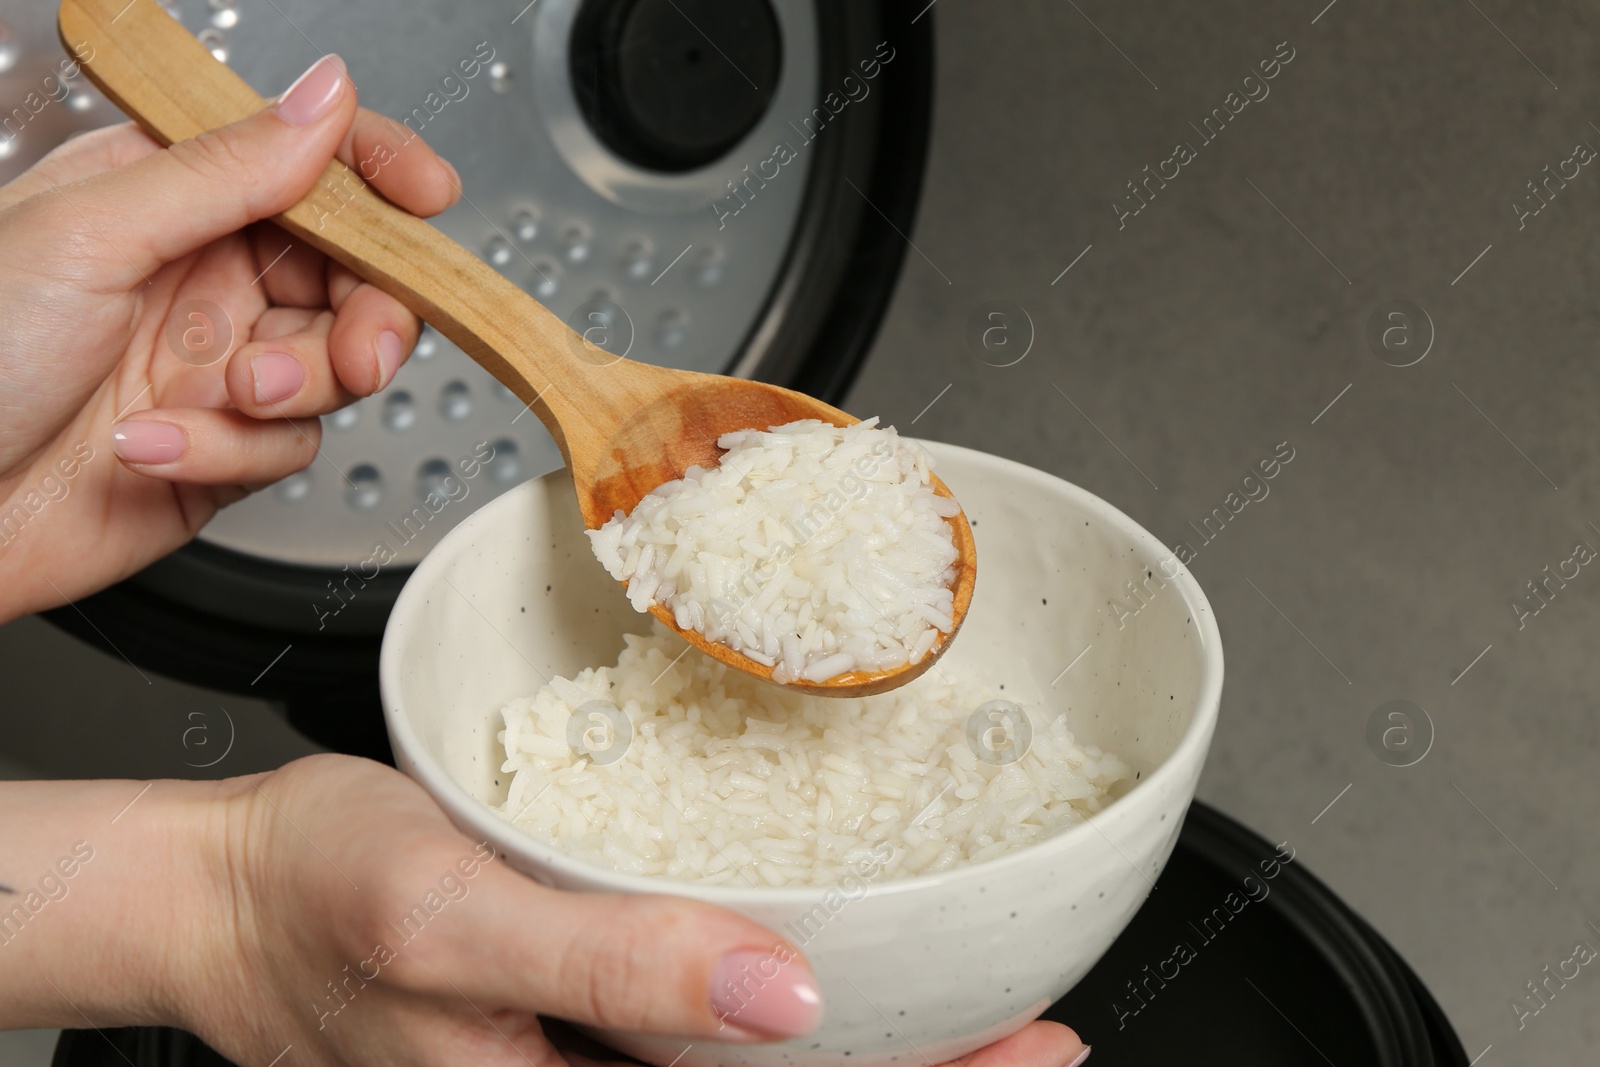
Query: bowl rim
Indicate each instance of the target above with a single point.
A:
(412, 757)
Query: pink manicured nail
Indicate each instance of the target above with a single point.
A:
(276, 376)
(148, 442)
(390, 354)
(757, 992)
(1082, 1056)
(314, 93)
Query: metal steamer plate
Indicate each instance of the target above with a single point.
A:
(641, 257)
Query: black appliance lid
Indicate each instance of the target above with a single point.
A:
(1225, 965)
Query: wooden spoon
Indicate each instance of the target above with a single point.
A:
(624, 427)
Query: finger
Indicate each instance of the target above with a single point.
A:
(282, 322)
(205, 446)
(640, 963)
(289, 271)
(400, 164)
(287, 374)
(81, 157)
(171, 202)
(1039, 1044)
(327, 361)
(342, 281)
(372, 335)
(208, 318)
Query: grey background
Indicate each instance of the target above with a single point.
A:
(1209, 330)
(1199, 337)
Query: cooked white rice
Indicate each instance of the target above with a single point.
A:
(717, 777)
(813, 549)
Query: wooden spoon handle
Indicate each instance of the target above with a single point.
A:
(166, 80)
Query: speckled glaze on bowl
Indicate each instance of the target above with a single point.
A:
(925, 968)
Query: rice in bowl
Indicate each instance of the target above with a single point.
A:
(670, 764)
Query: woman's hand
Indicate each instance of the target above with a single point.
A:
(330, 908)
(369, 931)
(162, 351)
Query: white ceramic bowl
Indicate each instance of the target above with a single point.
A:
(927, 968)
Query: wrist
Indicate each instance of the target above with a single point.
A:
(122, 906)
(199, 958)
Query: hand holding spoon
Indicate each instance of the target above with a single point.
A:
(623, 427)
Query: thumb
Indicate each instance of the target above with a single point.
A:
(642, 964)
(172, 202)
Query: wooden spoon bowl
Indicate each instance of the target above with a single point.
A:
(623, 427)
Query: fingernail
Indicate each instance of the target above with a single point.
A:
(455, 175)
(1082, 1056)
(277, 377)
(757, 992)
(390, 353)
(148, 442)
(314, 93)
